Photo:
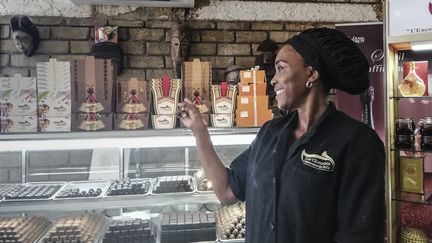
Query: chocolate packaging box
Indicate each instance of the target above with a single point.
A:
(165, 95)
(18, 124)
(133, 96)
(223, 105)
(18, 96)
(197, 78)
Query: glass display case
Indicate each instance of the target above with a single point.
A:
(409, 97)
(145, 185)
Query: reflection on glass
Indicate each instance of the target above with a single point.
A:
(73, 165)
(10, 167)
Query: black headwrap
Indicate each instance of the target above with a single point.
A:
(337, 59)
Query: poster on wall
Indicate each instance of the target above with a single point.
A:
(409, 17)
(369, 106)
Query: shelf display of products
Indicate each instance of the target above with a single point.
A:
(23, 230)
(409, 154)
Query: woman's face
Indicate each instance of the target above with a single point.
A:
(23, 42)
(290, 78)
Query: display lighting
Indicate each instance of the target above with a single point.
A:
(421, 45)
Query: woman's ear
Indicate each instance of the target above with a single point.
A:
(313, 74)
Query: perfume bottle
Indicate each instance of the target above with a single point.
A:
(412, 84)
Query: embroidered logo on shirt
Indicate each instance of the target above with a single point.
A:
(319, 162)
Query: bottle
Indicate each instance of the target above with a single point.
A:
(412, 84)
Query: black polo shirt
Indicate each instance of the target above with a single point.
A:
(326, 187)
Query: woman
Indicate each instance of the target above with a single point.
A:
(314, 175)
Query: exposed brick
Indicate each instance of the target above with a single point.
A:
(217, 62)
(234, 49)
(125, 61)
(266, 26)
(248, 37)
(298, 26)
(202, 49)
(158, 48)
(53, 47)
(233, 25)
(44, 32)
(134, 48)
(245, 61)
(8, 46)
(70, 33)
(128, 73)
(85, 22)
(23, 61)
(126, 23)
(146, 34)
(195, 37)
(48, 20)
(202, 25)
(159, 73)
(4, 31)
(4, 19)
(218, 75)
(217, 36)
(365, 1)
(123, 34)
(333, 1)
(146, 62)
(10, 160)
(4, 61)
(327, 25)
(81, 47)
(159, 24)
(15, 175)
(68, 58)
(281, 36)
(92, 33)
(11, 71)
(168, 62)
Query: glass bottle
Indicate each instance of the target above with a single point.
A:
(404, 133)
(412, 84)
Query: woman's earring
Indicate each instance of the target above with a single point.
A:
(309, 84)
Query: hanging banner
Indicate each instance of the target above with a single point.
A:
(409, 17)
(369, 106)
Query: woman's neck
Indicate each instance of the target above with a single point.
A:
(310, 112)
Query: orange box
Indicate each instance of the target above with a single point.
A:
(248, 119)
(260, 103)
(252, 76)
(252, 89)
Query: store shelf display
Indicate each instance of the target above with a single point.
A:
(129, 187)
(83, 189)
(231, 222)
(23, 230)
(174, 184)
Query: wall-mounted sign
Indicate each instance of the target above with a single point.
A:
(409, 17)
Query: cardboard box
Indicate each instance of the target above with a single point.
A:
(82, 122)
(252, 89)
(92, 85)
(164, 121)
(222, 120)
(409, 85)
(223, 98)
(131, 121)
(205, 117)
(249, 119)
(252, 76)
(54, 124)
(165, 95)
(18, 124)
(133, 96)
(197, 78)
(252, 103)
(18, 96)
(54, 88)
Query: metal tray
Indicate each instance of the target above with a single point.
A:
(5, 188)
(61, 184)
(132, 195)
(83, 185)
(194, 188)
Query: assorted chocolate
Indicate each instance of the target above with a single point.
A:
(131, 230)
(172, 184)
(29, 191)
(82, 228)
(188, 227)
(232, 222)
(129, 187)
(83, 190)
(22, 230)
(6, 188)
